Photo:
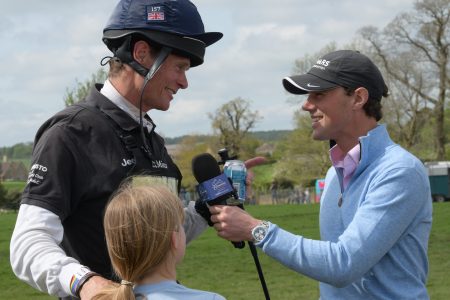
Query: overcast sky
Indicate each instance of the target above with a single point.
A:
(47, 45)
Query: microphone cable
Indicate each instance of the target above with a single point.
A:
(205, 168)
(259, 269)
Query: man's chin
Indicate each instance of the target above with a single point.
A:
(319, 137)
(163, 108)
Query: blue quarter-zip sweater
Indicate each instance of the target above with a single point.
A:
(374, 246)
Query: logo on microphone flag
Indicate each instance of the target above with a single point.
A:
(214, 188)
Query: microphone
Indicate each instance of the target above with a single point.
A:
(214, 187)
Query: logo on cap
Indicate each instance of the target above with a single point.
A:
(321, 64)
(312, 86)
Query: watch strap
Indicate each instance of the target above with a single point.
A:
(79, 279)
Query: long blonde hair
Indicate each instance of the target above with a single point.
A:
(139, 222)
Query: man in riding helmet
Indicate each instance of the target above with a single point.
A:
(82, 154)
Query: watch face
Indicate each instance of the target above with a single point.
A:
(259, 233)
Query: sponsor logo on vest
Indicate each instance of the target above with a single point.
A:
(159, 164)
(39, 167)
(37, 174)
(128, 162)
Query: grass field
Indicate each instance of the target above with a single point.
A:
(14, 185)
(214, 264)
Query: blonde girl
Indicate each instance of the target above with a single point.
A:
(146, 240)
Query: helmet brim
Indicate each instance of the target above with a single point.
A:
(192, 46)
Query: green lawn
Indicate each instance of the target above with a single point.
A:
(10, 286)
(14, 185)
(214, 264)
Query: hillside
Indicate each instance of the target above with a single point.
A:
(263, 136)
(22, 151)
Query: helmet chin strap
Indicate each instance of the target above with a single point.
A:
(162, 55)
(124, 53)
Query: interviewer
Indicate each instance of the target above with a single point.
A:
(376, 209)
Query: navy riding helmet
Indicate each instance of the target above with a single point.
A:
(173, 24)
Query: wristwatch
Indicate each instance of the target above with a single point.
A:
(259, 232)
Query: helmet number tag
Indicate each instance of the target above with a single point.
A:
(155, 13)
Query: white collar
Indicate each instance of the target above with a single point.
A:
(110, 92)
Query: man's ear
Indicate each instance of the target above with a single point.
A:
(361, 97)
(140, 51)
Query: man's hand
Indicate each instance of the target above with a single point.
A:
(232, 223)
(255, 161)
(94, 285)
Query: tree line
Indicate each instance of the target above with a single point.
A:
(412, 52)
(18, 151)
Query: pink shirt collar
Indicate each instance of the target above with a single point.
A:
(347, 161)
